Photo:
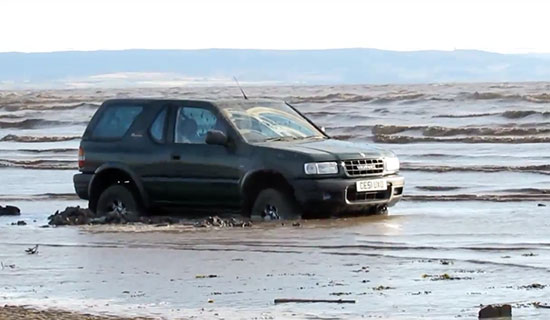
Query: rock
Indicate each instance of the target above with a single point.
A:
(381, 287)
(80, 216)
(541, 205)
(215, 221)
(495, 311)
(33, 250)
(71, 216)
(207, 276)
(99, 220)
(158, 220)
(19, 223)
(9, 211)
(533, 286)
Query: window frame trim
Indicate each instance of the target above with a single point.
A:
(164, 108)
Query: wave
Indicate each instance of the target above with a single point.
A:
(34, 151)
(39, 164)
(494, 95)
(41, 196)
(541, 169)
(382, 138)
(437, 188)
(320, 113)
(11, 116)
(349, 129)
(36, 123)
(472, 115)
(332, 97)
(351, 137)
(505, 86)
(349, 97)
(527, 190)
(16, 138)
(392, 129)
(478, 197)
(399, 97)
(538, 98)
(510, 114)
(518, 114)
(438, 155)
(535, 98)
(437, 131)
(39, 106)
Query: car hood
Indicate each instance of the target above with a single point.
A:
(331, 149)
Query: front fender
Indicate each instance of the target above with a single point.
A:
(248, 176)
(126, 169)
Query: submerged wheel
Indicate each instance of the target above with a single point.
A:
(118, 199)
(274, 204)
(381, 210)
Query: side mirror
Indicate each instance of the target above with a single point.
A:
(216, 137)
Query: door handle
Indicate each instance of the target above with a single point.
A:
(176, 156)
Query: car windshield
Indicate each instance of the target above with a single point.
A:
(269, 121)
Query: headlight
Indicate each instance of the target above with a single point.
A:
(391, 164)
(321, 168)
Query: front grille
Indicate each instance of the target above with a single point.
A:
(364, 167)
(353, 196)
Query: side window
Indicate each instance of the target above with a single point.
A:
(115, 121)
(157, 128)
(193, 123)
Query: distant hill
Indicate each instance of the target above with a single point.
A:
(338, 66)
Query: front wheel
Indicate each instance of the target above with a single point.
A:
(381, 210)
(272, 204)
(117, 199)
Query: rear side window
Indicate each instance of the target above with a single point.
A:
(115, 121)
(157, 128)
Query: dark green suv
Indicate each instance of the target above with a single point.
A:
(261, 157)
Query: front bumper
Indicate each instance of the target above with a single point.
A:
(338, 195)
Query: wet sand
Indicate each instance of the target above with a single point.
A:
(394, 267)
(472, 228)
(23, 313)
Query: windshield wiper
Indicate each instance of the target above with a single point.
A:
(291, 138)
(283, 138)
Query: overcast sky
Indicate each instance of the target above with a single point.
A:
(514, 26)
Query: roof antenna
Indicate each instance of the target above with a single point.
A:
(242, 91)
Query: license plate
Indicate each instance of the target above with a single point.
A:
(371, 185)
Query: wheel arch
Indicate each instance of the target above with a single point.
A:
(115, 173)
(256, 181)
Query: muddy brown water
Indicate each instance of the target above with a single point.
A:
(470, 230)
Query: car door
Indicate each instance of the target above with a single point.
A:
(203, 174)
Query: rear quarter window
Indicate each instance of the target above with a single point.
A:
(115, 121)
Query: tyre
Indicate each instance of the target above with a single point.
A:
(117, 199)
(272, 204)
(381, 210)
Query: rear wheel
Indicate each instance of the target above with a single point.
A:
(272, 204)
(117, 199)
